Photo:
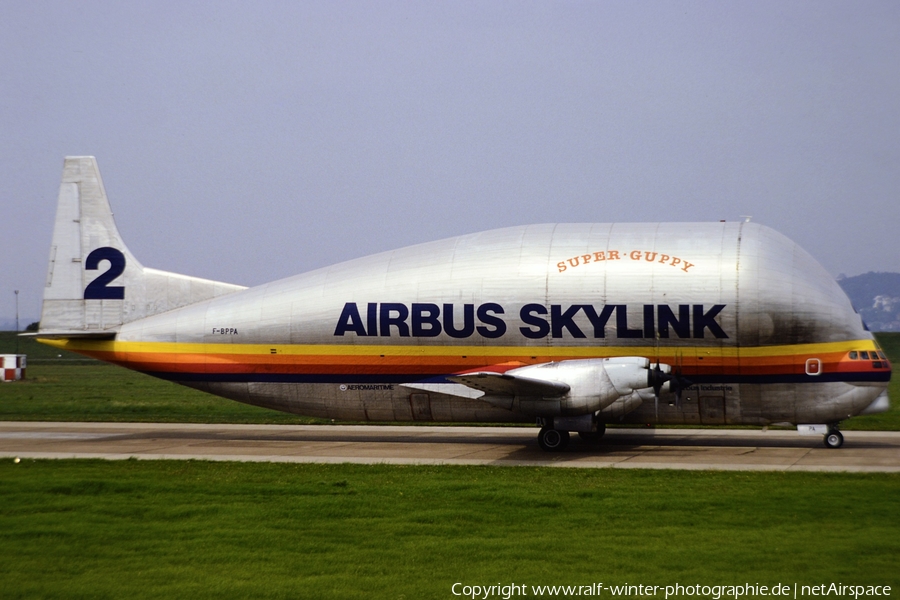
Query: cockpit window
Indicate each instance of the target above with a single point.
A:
(853, 355)
(881, 354)
(864, 355)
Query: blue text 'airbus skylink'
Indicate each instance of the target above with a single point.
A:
(573, 326)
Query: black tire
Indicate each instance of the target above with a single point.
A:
(551, 440)
(593, 437)
(834, 439)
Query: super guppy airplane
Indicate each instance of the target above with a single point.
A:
(572, 326)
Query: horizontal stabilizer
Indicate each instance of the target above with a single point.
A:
(81, 335)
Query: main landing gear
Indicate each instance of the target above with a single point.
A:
(593, 437)
(552, 440)
(555, 440)
(834, 438)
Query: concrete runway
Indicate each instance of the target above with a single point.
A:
(725, 449)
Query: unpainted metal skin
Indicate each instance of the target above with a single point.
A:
(571, 325)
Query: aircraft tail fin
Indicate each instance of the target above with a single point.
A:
(94, 283)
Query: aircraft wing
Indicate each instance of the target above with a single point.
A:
(505, 384)
(448, 389)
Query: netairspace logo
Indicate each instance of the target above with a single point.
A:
(714, 592)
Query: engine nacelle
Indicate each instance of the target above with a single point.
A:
(594, 384)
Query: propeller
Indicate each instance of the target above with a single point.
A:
(682, 382)
(679, 383)
(657, 378)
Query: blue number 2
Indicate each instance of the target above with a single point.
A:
(99, 289)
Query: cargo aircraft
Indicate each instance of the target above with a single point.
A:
(571, 326)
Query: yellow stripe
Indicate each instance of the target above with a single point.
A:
(368, 350)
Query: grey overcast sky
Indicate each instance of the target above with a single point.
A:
(249, 141)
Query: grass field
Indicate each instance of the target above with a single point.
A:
(135, 529)
(62, 386)
(194, 529)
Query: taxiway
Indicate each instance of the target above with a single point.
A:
(621, 448)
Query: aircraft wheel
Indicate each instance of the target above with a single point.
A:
(834, 439)
(593, 437)
(552, 440)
